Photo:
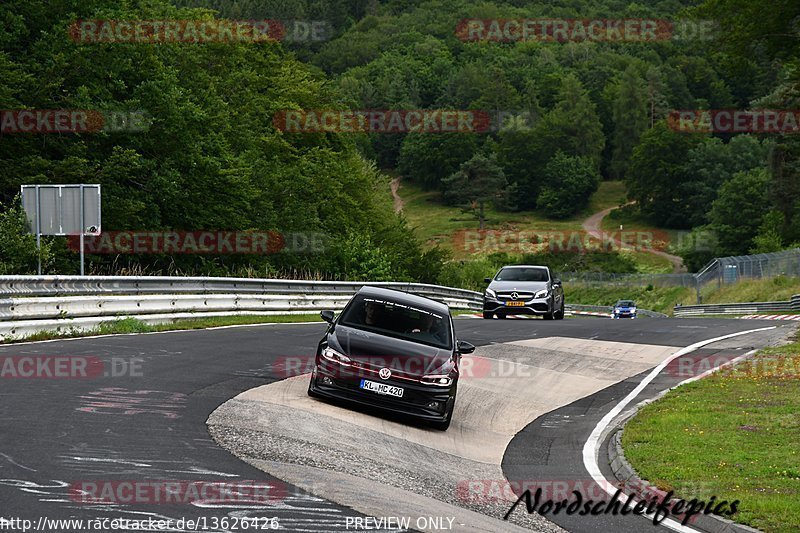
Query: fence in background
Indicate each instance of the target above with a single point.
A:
(724, 270)
(721, 270)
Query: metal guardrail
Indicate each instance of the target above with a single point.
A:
(91, 285)
(738, 308)
(33, 304)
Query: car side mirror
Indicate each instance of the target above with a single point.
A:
(487, 280)
(556, 281)
(327, 316)
(465, 347)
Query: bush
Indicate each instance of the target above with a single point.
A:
(17, 246)
(570, 181)
(363, 261)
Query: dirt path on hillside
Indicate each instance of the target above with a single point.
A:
(398, 202)
(593, 226)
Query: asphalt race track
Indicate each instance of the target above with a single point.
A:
(543, 388)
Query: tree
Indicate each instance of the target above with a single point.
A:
(630, 120)
(745, 27)
(573, 126)
(739, 210)
(570, 181)
(18, 253)
(656, 173)
(710, 164)
(479, 181)
(522, 158)
(784, 167)
(210, 159)
(657, 104)
(429, 158)
(769, 237)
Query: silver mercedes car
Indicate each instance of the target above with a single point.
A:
(524, 290)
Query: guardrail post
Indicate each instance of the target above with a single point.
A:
(697, 288)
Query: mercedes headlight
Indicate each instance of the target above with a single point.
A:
(541, 294)
(489, 293)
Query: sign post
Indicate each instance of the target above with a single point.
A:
(62, 210)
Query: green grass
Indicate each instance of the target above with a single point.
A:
(757, 290)
(667, 240)
(734, 434)
(608, 194)
(438, 224)
(132, 325)
(647, 263)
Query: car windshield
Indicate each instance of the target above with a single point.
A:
(522, 274)
(626, 303)
(398, 320)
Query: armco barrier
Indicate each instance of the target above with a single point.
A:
(30, 304)
(117, 285)
(738, 308)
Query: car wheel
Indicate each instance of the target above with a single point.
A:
(442, 426)
(487, 315)
(548, 316)
(560, 314)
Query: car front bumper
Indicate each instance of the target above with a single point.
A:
(334, 381)
(535, 306)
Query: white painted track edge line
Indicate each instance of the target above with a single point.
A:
(592, 445)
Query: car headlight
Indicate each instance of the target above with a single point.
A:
(332, 355)
(442, 381)
(489, 293)
(633, 309)
(541, 294)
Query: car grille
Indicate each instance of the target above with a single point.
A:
(506, 295)
(370, 370)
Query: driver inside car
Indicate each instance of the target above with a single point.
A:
(370, 313)
(428, 326)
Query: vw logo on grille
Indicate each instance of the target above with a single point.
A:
(385, 373)
(514, 295)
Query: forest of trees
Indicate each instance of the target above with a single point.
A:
(574, 114)
(589, 111)
(210, 159)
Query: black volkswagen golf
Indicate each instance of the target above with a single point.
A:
(392, 350)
